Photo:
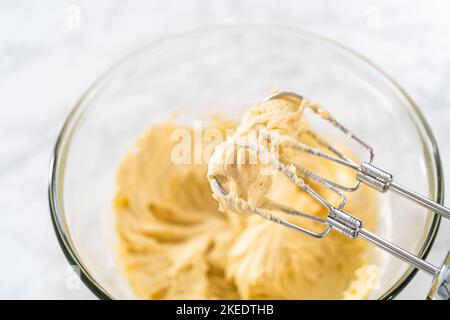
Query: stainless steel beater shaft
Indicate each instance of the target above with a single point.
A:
(353, 228)
(383, 181)
(367, 173)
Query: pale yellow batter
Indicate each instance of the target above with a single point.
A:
(176, 244)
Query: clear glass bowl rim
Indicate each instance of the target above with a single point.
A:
(62, 145)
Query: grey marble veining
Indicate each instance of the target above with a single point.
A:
(50, 51)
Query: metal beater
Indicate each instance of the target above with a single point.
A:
(337, 218)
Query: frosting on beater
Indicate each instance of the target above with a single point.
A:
(274, 133)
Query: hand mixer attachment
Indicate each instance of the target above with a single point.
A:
(337, 218)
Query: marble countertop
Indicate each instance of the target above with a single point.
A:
(50, 51)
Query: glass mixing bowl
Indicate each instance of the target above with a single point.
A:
(224, 71)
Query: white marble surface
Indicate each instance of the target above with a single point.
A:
(50, 51)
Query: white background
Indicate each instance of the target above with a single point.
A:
(50, 51)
